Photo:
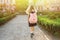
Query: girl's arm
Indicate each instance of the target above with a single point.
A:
(27, 11)
(35, 10)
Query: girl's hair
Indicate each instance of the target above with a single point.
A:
(31, 8)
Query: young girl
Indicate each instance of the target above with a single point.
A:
(32, 18)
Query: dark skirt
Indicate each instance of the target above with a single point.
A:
(32, 24)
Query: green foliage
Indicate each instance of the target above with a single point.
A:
(52, 25)
(6, 18)
(21, 5)
(1, 15)
(50, 14)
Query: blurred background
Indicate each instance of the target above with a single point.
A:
(48, 12)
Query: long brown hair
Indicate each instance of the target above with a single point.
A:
(31, 8)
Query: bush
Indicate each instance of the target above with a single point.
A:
(52, 25)
(50, 14)
(1, 15)
(6, 18)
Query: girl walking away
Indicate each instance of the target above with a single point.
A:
(32, 18)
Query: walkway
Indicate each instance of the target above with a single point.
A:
(17, 29)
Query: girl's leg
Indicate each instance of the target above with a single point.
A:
(31, 29)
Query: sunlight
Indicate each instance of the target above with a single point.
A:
(7, 2)
(47, 2)
(30, 1)
(21, 4)
(2, 1)
(13, 2)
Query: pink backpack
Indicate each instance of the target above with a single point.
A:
(33, 18)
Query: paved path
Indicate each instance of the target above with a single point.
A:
(17, 29)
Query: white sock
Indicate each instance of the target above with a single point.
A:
(31, 32)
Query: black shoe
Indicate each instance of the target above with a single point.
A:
(32, 35)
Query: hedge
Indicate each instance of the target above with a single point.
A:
(6, 18)
(52, 25)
